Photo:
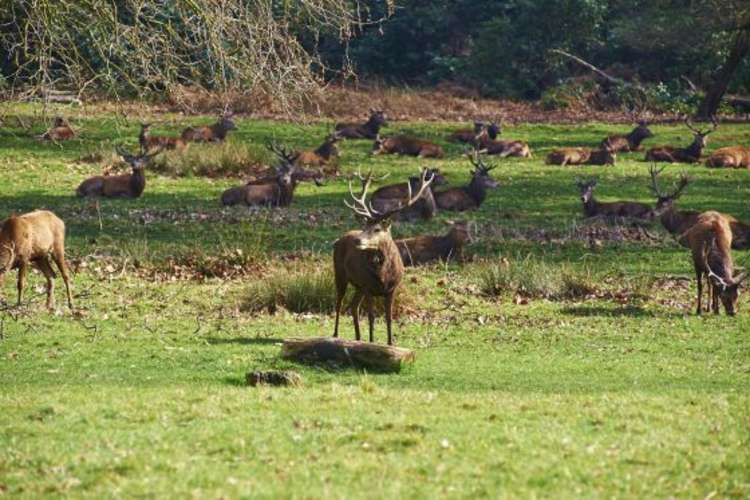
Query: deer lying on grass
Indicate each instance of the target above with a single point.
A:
(619, 143)
(424, 249)
(469, 136)
(730, 157)
(710, 240)
(210, 133)
(473, 195)
(593, 208)
(321, 156)
(368, 130)
(149, 142)
(31, 239)
(581, 156)
(369, 259)
(405, 145)
(690, 154)
(276, 191)
(60, 131)
(505, 148)
(395, 195)
(120, 186)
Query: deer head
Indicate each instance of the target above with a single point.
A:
(378, 117)
(137, 162)
(481, 171)
(729, 289)
(665, 201)
(494, 129)
(378, 145)
(701, 136)
(225, 120)
(587, 189)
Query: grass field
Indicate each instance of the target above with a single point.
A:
(616, 391)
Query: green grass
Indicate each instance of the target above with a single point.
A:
(619, 392)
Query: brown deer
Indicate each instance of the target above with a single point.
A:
(368, 130)
(593, 208)
(276, 191)
(405, 145)
(60, 131)
(472, 195)
(619, 143)
(321, 156)
(730, 157)
(149, 142)
(505, 148)
(210, 133)
(424, 249)
(710, 240)
(690, 154)
(469, 136)
(369, 259)
(32, 239)
(394, 195)
(581, 156)
(120, 186)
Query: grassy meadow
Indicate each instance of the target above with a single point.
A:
(563, 360)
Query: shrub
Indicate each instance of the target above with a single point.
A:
(229, 159)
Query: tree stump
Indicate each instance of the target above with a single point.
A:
(329, 350)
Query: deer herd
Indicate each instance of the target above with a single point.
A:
(369, 259)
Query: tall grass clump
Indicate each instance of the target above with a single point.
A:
(229, 159)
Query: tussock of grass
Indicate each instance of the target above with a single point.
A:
(230, 159)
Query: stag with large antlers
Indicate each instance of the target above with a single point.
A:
(690, 154)
(472, 195)
(368, 259)
(120, 186)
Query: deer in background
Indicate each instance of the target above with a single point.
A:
(730, 157)
(150, 142)
(32, 239)
(473, 195)
(469, 136)
(323, 155)
(690, 154)
(60, 131)
(709, 241)
(369, 260)
(505, 148)
(368, 130)
(405, 145)
(120, 186)
(210, 133)
(391, 196)
(426, 248)
(581, 156)
(593, 207)
(620, 143)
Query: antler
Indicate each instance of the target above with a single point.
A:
(654, 171)
(365, 209)
(476, 160)
(284, 154)
(360, 206)
(714, 125)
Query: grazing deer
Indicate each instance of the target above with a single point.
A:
(368, 130)
(469, 136)
(120, 186)
(619, 143)
(277, 191)
(405, 145)
(473, 195)
(593, 208)
(321, 156)
(60, 131)
(32, 239)
(423, 249)
(581, 156)
(690, 154)
(210, 133)
(394, 195)
(730, 157)
(149, 142)
(710, 240)
(369, 259)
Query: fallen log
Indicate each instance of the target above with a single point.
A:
(338, 352)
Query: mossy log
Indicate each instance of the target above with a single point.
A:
(328, 350)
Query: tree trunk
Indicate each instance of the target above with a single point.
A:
(339, 352)
(723, 77)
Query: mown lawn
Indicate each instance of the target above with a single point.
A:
(617, 392)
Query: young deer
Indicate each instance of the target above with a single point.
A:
(369, 260)
(730, 157)
(210, 133)
(60, 131)
(32, 239)
(710, 240)
(690, 154)
(149, 142)
(388, 197)
(405, 145)
(423, 249)
(120, 186)
(368, 130)
(619, 143)
(470, 196)
(321, 156)
(593, 208)
(581, 156)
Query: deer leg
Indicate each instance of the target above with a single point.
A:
(340, 292)
(23, 268)
(356, 301)
(370, 315)
(715, 300)
(44, 266)
(699, 280)
(58, 255)
(388, 310)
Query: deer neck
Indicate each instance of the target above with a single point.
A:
(720, 262)
(143, 138)
(219, 131)
(591, 207)
(137, 182)
(635, 138)
(373, 125)
(695, 149)
(326, 150)
(286, 193)
(476, 190)
(671, 219)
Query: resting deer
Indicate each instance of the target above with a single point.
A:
(505, 148)
(619, 143)
(120, 186)
(394, 195)
(369, 260)
(405, 145)
(581, 156)
(730, 157)
(210, 133)
(473, 195)
(276, 191)
(690, 154)
(593, 207)
(150, 142)
(424, 249)
(710, 240)
(60, 131)
(32, 239)
(321, 156)
(469, 136)
(368, 130)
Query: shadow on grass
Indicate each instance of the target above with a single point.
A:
(244, 340)
(613, 312)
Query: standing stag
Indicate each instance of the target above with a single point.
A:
(619, 143)
(120, 186)
(730, 157)
(210, 133)
(150, 142)
(368, 130)
(369, 259)
(473, 195)
(593, 207)
(394, 195)
(690, 154)
(405, 145)
(426, 248)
